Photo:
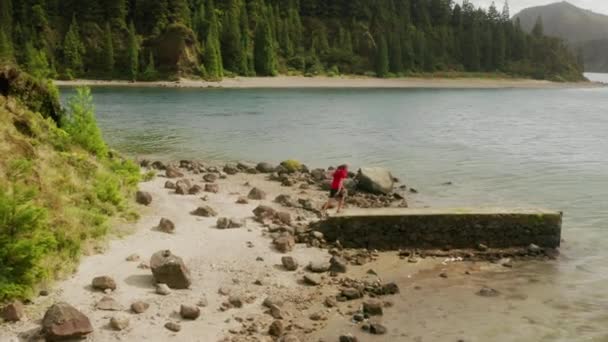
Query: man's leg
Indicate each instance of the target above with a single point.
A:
(341, 203)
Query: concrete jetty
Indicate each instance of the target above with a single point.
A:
(396, 228)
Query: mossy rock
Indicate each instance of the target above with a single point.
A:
(292, 165)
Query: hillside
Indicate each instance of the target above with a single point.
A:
(584, 30)
(59, 185)
(161, 39)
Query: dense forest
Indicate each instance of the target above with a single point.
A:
(163, 39)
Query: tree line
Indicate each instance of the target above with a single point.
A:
(152, 39)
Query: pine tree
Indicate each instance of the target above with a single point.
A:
(108, 51)
(247, 59)
(382, 59)
(396, 54)
(538, 31)
(213, 55)
(116, 11)
(179, 12)
(133, 53)
(264, 56)
(36, 62)
(232, 48)
(150, 73)
(6, 48)
(6, 18)
(73, 49)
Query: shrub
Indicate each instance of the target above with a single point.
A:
(24, 235)
(80, 123)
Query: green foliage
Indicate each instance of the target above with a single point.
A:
(249, 37)
(133, 53)
(36, 63)
(150, 73)
(73, 49)
(382, 58)
(264, 56)
(81, 124)
(291, 165)
(108, 49)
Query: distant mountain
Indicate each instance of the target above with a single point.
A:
(581, 28)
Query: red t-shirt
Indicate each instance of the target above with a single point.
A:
(339, 176)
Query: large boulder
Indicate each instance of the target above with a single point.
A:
(13, 312)
(265, 167)
(170, 269)
(173, 172)
(375, 180)
(62, 321)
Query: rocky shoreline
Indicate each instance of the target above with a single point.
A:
(232, 257)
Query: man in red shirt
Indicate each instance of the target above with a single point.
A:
(337, 190)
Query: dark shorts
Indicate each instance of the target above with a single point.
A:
(333, 193)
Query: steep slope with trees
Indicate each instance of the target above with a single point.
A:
(585, 31)
(148, 39)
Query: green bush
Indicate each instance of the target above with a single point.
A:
(80, 123)
(24, 236)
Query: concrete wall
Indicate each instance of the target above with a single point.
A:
(392, 229)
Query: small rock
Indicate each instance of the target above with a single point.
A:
(377, 329)
(372, 308)
(169, 185)
(144, 265)
(318, 235)
(319, 266)
(488, 292)
(390, 289)
(202, 302)
(139, 307)
(13, 312)
(143, 197)
(312, 279)
(348, 338)
(210, 177)
(231, 169)
(338, 265)
(236, 301)
(104, 283)
(276, 312)
(108, 304)
(213, 188)
(534, 249)
(170, 269)
(166, 226)
(272, 300)
(358, 317)
(133, 258)
(189, 312)
(224, 291)
(173, 326)
(284, 217)
(43, 293)
(172, 172)
(481, 247)
(412, 260)
(443, 275)
(195, 189)
(276, 328)
(264, 212)
(204, 211)
(242, 200)
(351, 293)
(317, 316)
(163, 289)
(289, 263)
(285, 200)
(414, 191)
(330, 302)
(256, 194)
(119, 322)
(284, 243)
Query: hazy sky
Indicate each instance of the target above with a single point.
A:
(600, 6)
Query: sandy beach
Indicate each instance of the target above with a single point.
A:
(242, 263)
(342, 82)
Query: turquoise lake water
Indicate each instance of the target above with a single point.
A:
(509, 147)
